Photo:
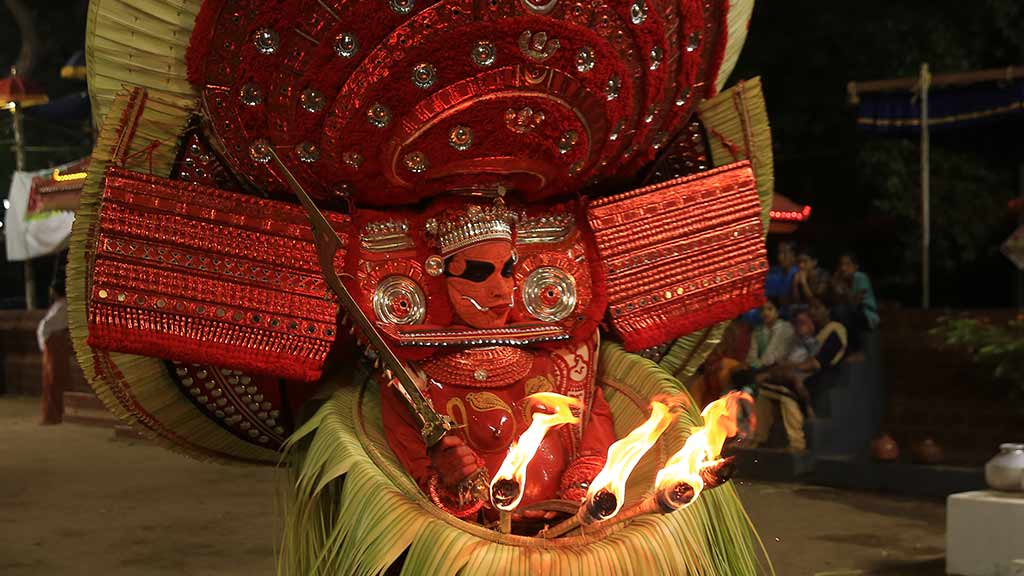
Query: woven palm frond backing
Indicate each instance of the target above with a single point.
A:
(352, 509)
(737, 125)
(139, 44)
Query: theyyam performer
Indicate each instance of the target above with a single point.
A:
(448, 261)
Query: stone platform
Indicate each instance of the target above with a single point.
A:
(985, 534)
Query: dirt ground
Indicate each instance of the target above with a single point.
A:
(75, 500)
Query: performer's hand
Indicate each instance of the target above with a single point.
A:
(453, 460)
(534, 515)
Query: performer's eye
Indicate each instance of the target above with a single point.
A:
(476, 271)
(508, 268)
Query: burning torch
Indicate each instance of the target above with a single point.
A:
(507, 485)
(695, 467)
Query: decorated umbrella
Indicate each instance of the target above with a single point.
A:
(17, 93)
(74, 68)
(58, 189)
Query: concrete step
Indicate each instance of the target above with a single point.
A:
(904, 478)
(773, 465)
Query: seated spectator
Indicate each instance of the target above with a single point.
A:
(778, 284)
(820, 344)
(772, 340)
(726, 358)
(810, 282)
(854, 303)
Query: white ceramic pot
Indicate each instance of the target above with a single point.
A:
(1006, 470)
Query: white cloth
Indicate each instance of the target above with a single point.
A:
(41, 235)
(769, 345)
(56, 319)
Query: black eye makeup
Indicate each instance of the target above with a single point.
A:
(476, 271)
(479, 271)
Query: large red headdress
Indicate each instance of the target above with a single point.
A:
(391, 101)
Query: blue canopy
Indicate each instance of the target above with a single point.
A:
(895, 112)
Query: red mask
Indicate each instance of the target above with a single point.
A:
(480, 283)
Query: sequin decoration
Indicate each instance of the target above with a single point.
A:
(652, 113)
(567, 140)
(251, 95)
(638, 12)
(346, 45)
(656, 55)
(259, 151)
(585, 59)
(694, 42)
(312, 100)
(424, 75)
(611, 90)
(399, 300)
(416, 162)
(308, 152)
(549, 294)
(378, 115)
(537, 46)
(683, 97)
(523, 121)
(538, 8)
(353, 159)
(403, 6)
(484, 53)
(461, 138)
(434, 266)
(266, 41)
(616, 131)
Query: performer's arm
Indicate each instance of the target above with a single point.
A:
(404, 436)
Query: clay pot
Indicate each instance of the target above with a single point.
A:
(928, 451)
(1006, 470)
(885, 449)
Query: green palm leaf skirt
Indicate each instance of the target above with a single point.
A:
(352, 509)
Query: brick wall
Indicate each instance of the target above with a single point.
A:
(938, 392)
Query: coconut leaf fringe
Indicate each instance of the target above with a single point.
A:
(738, 129)
(351, 509)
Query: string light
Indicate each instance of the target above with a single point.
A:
(791, 216)
(58, 177)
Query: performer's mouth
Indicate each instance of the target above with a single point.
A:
(481, 308)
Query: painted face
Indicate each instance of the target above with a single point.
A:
(480, 284)
(769, 313)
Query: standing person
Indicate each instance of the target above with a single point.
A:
(772, 340)
(810, 282)
(55, 344)
(854, 299)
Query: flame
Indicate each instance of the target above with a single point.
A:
(521, 452)
(624, 455)
(704, 446)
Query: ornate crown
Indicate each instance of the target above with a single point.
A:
(460, 229)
